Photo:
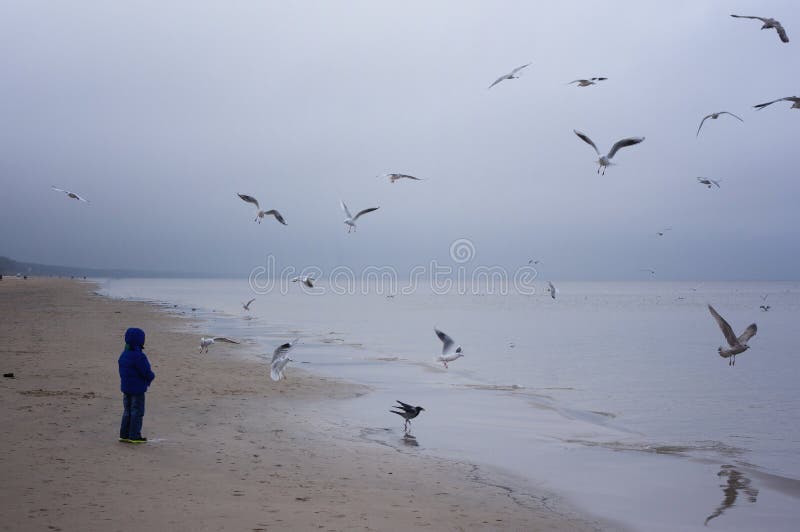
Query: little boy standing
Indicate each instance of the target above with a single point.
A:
(135, 377)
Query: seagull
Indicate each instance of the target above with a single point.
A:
(551, 289)
(280, 357)
(605, 160)
(448, 353)
(246, 306)
(794, 99)
(661, 233)
(306, 280)
(652, 271)
(70, 194)
(765, 308)
(532, 261)
(206, 342)
(351, 220)
(586, 82)
(769, 23)
(407, 412)
(737, 345)
(714, 116)
(259, 213)
(510, 75)
(395, 177)
(708, 182)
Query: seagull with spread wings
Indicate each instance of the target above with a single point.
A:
(708, 181)
(768, 24)
(450, 351)
(259, 213)
(306, 280)
(206, 342)
(280, 357)
(70, 194)
(605, 160)
(395, 177)
(737, 344)
(586, 82)
(510, 75)
(246, 306)
(350, 221)
(714, 116)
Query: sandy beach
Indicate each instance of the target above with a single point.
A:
(229, 450)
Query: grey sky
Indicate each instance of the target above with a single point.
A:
(159, 114)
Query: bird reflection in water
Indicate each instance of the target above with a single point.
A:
(410, 440)
(735, 483)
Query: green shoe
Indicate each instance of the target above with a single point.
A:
(140, 439)
(124, 440)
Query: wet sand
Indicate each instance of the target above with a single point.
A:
(229, 450)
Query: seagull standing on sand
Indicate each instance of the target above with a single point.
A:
(280, 357)
(306, 280)
(448, 353)
(708, 182)
(769, 23)
(395, 177)
(714, 116)
(246, 306)
(350, 221)
(794, 99)
(551, 289)
(586, 82)
(259, 213)
(510, 75)
(737, 345)
(70, 194)
(407, 412)
(206, 342)
(605, 160)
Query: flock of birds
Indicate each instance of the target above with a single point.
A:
(451, 351)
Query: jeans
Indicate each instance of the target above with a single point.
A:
(131, 427)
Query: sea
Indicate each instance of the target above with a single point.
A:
(611, 395)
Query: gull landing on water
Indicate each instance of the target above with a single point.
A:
(714, 116)
(768, 24)
(246, 306)
(737, 345)
(395, 177)
(605, 160)
(510, 75)
(280, 357)
(259, 213)
(586, 82)
(350, 221)
(70, 194)
(206, 342)
(794, 99)
(448, 353)
(708, 182)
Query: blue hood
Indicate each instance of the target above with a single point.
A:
(134, 337)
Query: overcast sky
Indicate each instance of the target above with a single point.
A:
(160, 112)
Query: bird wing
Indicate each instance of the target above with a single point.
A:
(498, 80)
(703, 121)
(405, 406)
(409, 177)
(576, 81)
(59, 189)
(365, 211)
(725, 327)
(519, 68)
(733, 115)
(762, 105)
(276, 368)
(748, 333)
(223, 339)
(599, 79)
(623, 144)
(346, 210)
(781, 32)
(447, 342)
(587, 140)
(716, 182)
(762, 19)
(249, 199)
(552, 289)
(277, 216)
(282, 351)
(248, 303)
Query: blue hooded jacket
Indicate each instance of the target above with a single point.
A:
(134, 368)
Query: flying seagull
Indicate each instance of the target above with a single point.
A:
(586, 82)
(206, 342)
(280, 357)
(407, 412)
(351, 220)
(794, 99)
(650, 270)
(708, 182)
(246, 306)
(605, 160)
(532, 261)
(714, 116)
(70, 194)
(661, 233)
(259, 213)
(769, 23)
(510, 75)
(737, 345)
(765, 307)
(448, 353)
(395, 177)
(551, 289)
(306, 280)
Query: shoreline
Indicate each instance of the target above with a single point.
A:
(229, 449)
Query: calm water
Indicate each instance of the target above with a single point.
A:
(613, 395)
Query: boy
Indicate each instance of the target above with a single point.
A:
(135, 377)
